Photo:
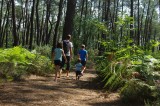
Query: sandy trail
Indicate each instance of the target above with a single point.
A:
(43, 91)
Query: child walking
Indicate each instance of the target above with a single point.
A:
(57, 58)
(83, 55)
(78, 69)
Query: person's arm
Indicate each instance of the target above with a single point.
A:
(86, 56)
(53, 54)
(64, 55)
(71, 52)
(75, 65)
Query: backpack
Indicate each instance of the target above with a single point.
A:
(65, 46)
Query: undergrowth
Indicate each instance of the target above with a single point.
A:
(18, 62)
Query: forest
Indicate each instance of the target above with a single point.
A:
(122, 38)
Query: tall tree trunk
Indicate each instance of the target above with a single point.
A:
(105, 17)
(58, 22)
(138, 30)
(141, 27)
(1, 15)
(99, 18)
(99, 10)
(131, 24)
(27, 23)
(37, 23)
(7, 24)
(150, 28)
(68, 25)
(121, 29)
(2, 25)
(107, 10)
(41, 30)
(47, 21)
(154, 38)
(84, 27)
(116, 15)
(32, 29)
(80, 21)
(146, 28)
(15, 37)
(23, 24)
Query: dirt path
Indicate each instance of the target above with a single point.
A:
(43, 91)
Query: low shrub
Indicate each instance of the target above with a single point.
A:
(17, 62)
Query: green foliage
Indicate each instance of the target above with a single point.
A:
(17, 62)
(154, 43)
(16, 55)
(86, 32)
(101, 26)
(117, 73)
(137, 90)
(124, 21)
(40, 65)
(44, 50)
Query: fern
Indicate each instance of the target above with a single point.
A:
(23, 62)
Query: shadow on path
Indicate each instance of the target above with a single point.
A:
(44, 91)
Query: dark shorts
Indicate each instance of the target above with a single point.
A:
(83, 63)
(57, 62)
(68, 63)
(78, 73)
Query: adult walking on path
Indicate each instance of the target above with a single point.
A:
(67, 47)
(83, 55)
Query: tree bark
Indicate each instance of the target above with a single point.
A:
(57, 23)
(80, 21)
(47, 36)
(138, 30)
(68, 25)
(37, 23)
(1, 15)
(32, 29)
(131, 24)
(15, 37)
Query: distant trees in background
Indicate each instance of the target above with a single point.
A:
(33, 23)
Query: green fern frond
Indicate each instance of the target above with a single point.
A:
(110, 80)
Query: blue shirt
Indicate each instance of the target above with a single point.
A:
(58, 54)
(83, 54)
(78, 66)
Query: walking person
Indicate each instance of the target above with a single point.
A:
(78, 66)
(67, 47)
(83, 55)
(57, 58)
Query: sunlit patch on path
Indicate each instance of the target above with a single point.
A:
(43, 91)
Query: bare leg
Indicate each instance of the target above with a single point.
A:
(83, 69)
(56, 71)
(67, 73)
(76, 77)
(60, 71)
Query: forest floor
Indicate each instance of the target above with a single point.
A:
(44, 91)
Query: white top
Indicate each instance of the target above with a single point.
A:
(70, 46)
